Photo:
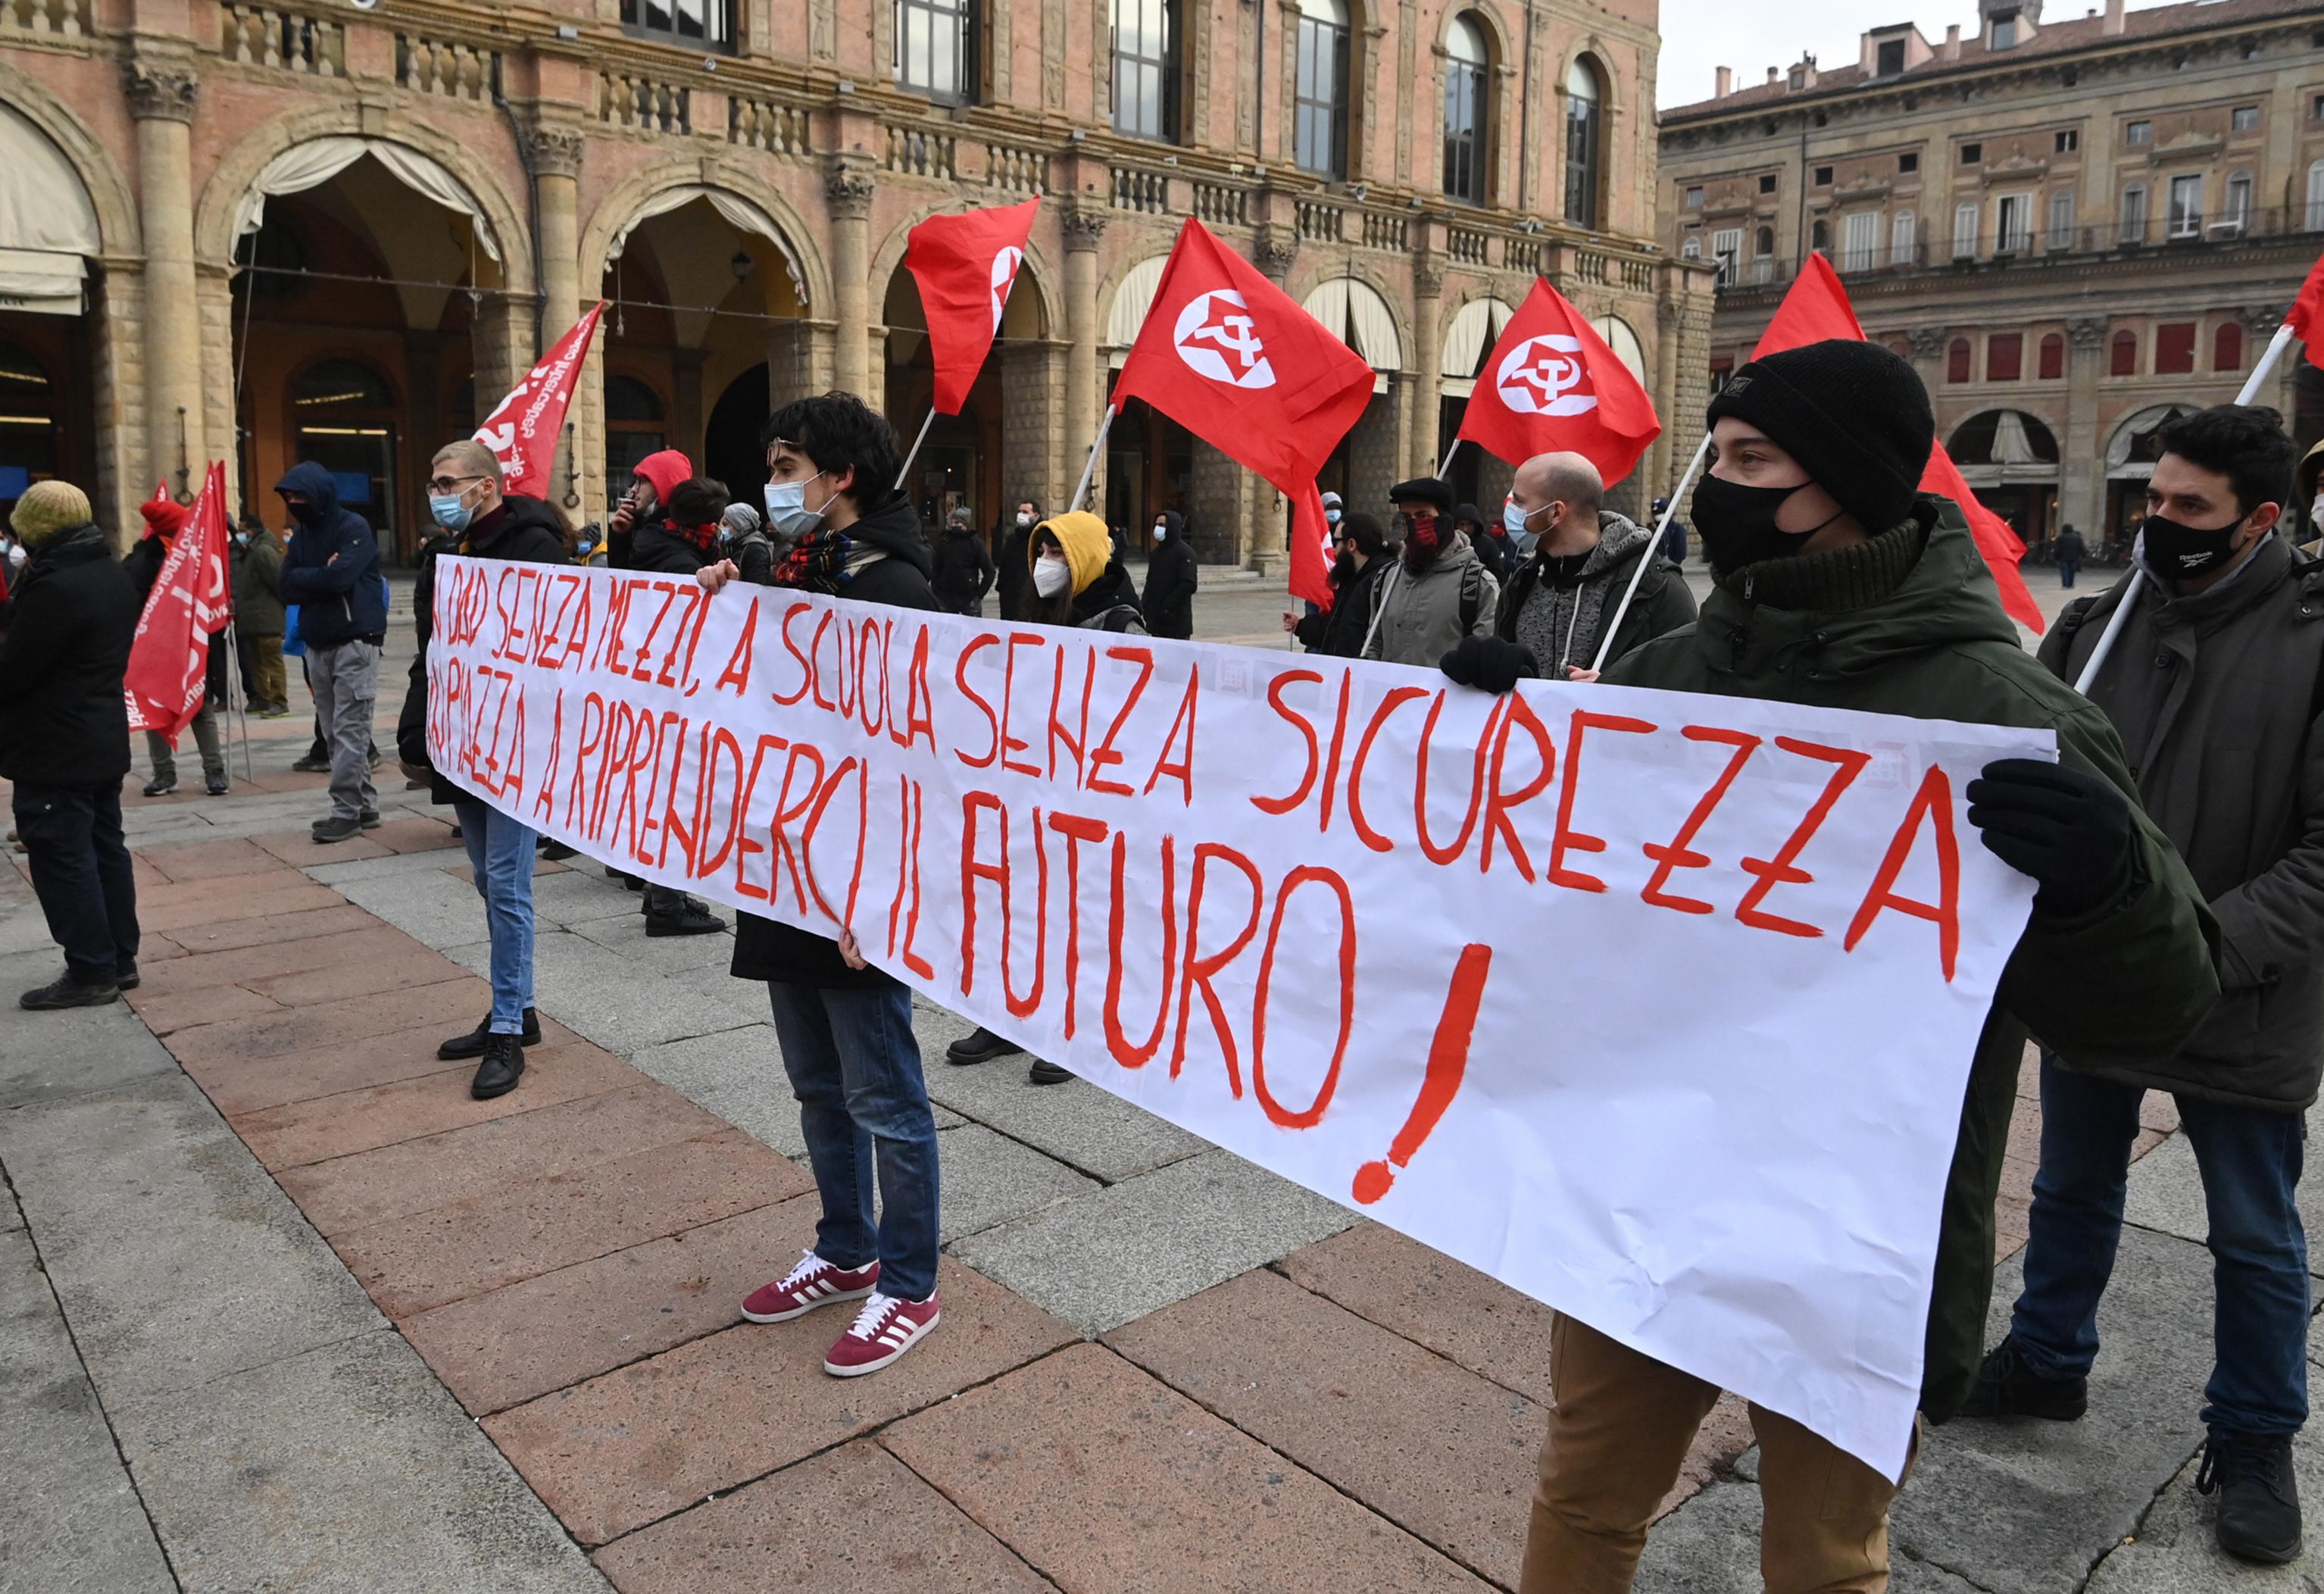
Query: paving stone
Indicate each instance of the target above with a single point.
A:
(988, 1179)
(625, 935)
(345, 1470)
(578, 1322)
(515, 1148)
(257, 904)
(260, 932)
(412, 1264)
(1429, 1445)
(330, 1054)
(1080, 1125)
(580, 896)
(44, 1056)
(177, 1259)
(632, 1447)
(2176, 1550)
(855, 1517)
(1463, 1315)
(334, 871)
(270, 960)
(309, 1131)
(69, 1518)
(1712, 1546)
(409, 968)
(1103, 1479)
(299, 848)
(165, 1012)
(626, 1008)
(202, 860)
(2166, 1194)
(1100, 1259)
(738, 1075)
(426, 904)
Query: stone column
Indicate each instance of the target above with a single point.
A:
(555, 156)
(162, 97)
(1929, 346)
(2082, 451)
(1427, 353)
(848, 190)
(1032, 435)
(1084, 382)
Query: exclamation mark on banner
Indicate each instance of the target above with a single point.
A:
(1448, 1063)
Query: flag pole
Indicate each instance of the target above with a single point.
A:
(2137, 576)
(1081, 488)
(904, 472)
(239, 702)
(1445, 463)
(1654, 551)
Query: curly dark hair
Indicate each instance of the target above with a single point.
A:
(839, 431)
(2244, 443)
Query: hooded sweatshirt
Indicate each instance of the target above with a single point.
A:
(342, 599)
(1557, 608)
(652, 543)
(1171, 578)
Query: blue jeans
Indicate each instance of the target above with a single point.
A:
(854, 1065)
(2250, 1162)
(500, 856)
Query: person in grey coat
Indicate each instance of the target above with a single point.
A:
(2214, 684)
(1438, 592)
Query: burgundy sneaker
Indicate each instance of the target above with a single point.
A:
(810, 1284)
(884, 1330)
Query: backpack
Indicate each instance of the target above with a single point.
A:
(1472, 597)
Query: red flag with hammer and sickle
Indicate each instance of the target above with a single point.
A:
(1552, 384)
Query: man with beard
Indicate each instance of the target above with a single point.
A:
(1357, 567)
(1439, 592)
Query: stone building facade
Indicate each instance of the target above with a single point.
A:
(340, 229)
(2072, 225)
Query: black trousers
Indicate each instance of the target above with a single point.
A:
(81, 874)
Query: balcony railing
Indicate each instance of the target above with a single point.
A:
(772, 125)
(448, 67)
(51, 19)
(643, 103)
(267, 36)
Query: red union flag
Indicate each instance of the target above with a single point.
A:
(964, 266)
(1817, 308)
(523, 430)
(2306, 316)
(1551, 383)
(1233, 359)
(169, 660)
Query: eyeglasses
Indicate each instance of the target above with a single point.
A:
(449, 484)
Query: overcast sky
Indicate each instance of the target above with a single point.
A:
(1699, 36)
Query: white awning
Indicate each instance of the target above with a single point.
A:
(1474, 328)
(1131, 300)
(743, 214)
(315, 163)
(1625, 344)
(1354, 311)
(48, 228)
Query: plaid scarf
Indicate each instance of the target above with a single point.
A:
(824, 561)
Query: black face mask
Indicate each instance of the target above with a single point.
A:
(1738, 524)
(2181, 552)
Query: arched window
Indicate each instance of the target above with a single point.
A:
(1820, 236)
(2228, 347)
(633, 429)
(1904, 234)
(2126, 353)
(1585, 142)
(934, 54)
(1957, 358)
(1146, 67)
(1690, 246)
(1319, 109)
(2053, 356)
(1465, 117)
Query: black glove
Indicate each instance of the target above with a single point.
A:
(2069, 830)
(1488, 664)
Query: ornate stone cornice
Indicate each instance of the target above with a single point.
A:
(848, 191)
(553, 151)
(161, 89)
(2260, 323)
(1276, 250)
(1428, 275)
(1084, 226)
(2087, 332)
(1928, 342)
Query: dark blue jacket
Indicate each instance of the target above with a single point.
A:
(341, 602)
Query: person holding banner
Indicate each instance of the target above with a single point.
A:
(331, 571)
(1438, 591)
(845, 1026)
(2218, 681)
(164, 519)
(64, 740)
(1840, 584)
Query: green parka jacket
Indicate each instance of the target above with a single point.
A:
(2124, 984)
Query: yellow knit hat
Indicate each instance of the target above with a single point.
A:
(1089, 547)
(48, 508)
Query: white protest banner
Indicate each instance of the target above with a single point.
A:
(1657, 1007)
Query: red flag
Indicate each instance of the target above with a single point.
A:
(523, 430)
(169, 659)
(1552, 383)
(2306, 316)
(1233, 359)
(965, 265)
(1817, 308)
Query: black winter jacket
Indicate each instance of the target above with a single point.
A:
(964, 568)
(340, 599)
(654, 546)
(765, 948)
(1016, 575)
(1338, 633)
(63, 720)
(1171, 578)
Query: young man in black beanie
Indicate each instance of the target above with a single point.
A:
(2214, 681)
(1839, 585)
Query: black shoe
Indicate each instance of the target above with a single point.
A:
(980, 1046)
(689, 917)
(126, 976)
(502, 1066)
(314, 763)
(336, 829)
(1045, 1073)
(368, 819)
(67, 992)
(2007, 1387)
(217, 783)
(472, 1044)
(157, 786)
(555, 852)
(2259, 1499)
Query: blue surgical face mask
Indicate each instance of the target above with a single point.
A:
(1513, 518)
(786, 510)
(1332, 515)
(451, 511)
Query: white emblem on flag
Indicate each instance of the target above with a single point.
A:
(1004, 272)
(1216, 336)
(1542, 374)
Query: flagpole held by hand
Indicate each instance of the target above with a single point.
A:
(1081, 487)
(2137, 576)
(1654, 551)
(904, 472)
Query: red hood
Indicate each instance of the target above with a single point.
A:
(665, 470)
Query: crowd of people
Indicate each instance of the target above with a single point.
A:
(2176, 846)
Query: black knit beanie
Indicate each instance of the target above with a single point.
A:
(1853, 414)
